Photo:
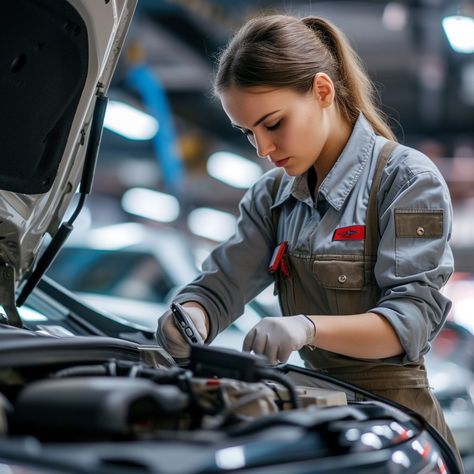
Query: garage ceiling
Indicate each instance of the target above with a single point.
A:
(422, 82)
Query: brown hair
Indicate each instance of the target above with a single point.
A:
(285, 51)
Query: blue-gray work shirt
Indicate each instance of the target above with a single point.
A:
(409, 271)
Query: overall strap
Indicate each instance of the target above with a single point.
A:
(372, 219)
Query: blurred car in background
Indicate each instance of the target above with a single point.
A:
(450, 366)
(460, 289)
(453, 386)
(132, 272)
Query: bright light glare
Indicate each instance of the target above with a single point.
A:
(212, 224)
(462, 312)
(460, 33)
(115, 236)
(230, 458)
(29, 314)
(371, 440)
(151, 204)
(399, 457)
(129, 121)
(233, 169)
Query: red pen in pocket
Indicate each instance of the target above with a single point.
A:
(278, 261)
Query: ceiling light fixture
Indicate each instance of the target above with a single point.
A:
(233, 169)
(212, 224)
(395, 16)
(130, 122)
(460, 33)
(151, 204)
(116, 236)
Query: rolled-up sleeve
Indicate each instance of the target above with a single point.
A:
(414, 258)
(236, 270)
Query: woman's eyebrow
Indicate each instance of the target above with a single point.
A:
(260, 120)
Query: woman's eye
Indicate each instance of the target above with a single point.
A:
(273, 127)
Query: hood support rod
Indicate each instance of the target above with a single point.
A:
(86, 184)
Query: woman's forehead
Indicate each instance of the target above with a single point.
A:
(244, 106)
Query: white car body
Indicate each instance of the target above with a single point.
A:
(27, 218)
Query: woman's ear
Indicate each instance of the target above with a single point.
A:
(323, 89)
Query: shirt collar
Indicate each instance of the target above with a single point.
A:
(342, 177)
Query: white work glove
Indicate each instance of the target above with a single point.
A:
(169, 337)
(278, 337)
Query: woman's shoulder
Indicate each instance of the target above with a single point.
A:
(273, 187)
(408, 165)
(410, 162)
(410, 172)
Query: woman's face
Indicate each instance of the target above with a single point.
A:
(286, 127)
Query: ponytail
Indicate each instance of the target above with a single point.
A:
(355, 92)
(284, 51)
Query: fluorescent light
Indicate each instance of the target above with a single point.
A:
(151, 204)
(212, 224)
(460, 32)
(130, 122)
(233, 169)
(116, 236)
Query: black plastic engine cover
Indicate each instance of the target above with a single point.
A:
(95, 406)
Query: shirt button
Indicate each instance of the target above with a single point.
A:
(342, 278)
(420, 231)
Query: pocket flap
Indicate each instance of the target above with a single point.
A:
(419, 223)
(339, 275)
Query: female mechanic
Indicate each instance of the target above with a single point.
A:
(354, 232)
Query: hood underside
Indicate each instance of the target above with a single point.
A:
(44, 53)
(56, 62)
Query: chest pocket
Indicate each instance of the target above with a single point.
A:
(348, 281)
(341, 284)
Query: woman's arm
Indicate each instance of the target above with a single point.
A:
(364, 336)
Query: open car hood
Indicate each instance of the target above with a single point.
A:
(57, 59)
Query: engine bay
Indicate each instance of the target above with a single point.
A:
(100, 404)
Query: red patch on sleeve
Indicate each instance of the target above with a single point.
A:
(352, 232)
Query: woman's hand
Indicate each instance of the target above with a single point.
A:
(168, 335)
(278, 337)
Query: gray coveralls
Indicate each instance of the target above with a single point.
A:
(393, 265)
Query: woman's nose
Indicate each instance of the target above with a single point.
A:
(264, 146)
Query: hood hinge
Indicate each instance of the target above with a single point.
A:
(7, 295)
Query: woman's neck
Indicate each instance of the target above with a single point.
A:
(340, 132)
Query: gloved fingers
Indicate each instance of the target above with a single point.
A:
(271, 351)
(198, 317)
(258, 341)
(169, 337)
(283, 353)
(249, 339)
(255, 340)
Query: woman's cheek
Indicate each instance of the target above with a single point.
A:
(286, 140)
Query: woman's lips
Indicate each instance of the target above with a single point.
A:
(281, 162)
